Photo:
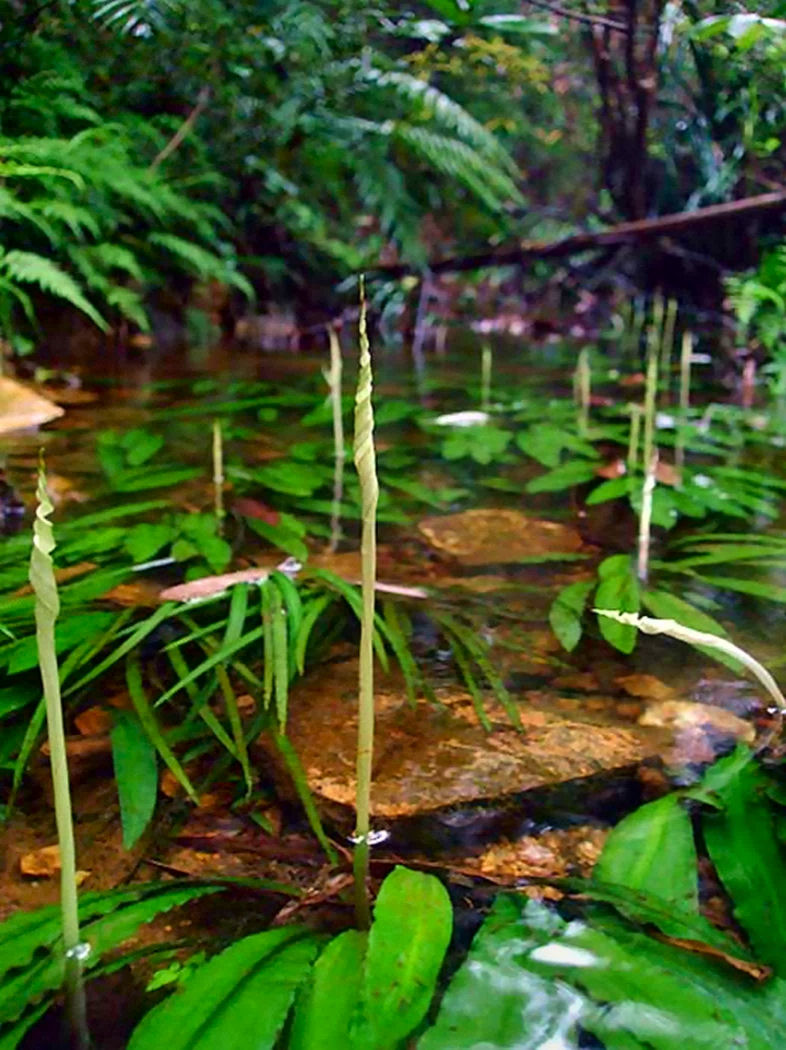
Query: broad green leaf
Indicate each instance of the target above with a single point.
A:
(144, 540)
(325, 1010)
(141, 445)
(745, 850)
(107, 919)
(406, 946)
(613, 488)
(293, 479)
(652, 850)
(493, 1002)
(240, 999)
(668, 998)
(618, 589)
(137, 479)
(575, 472)
(136, 774)
(150, 724)
(72, 630)
(483, 444)
(567, 610)
(281, 537)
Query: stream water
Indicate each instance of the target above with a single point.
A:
(464, 538)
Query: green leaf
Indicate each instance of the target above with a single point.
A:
(239, 999)
(28, 267)
(143, 541)
(746, 853)
(136, 773)
(652, 851)
(280, 536)
(545, 442)
(575, 472)
(494, 1002)
(613, 488)
(483, 444)
(406, 946)
(29, 963)
(618, 589)
(567, 610)
(325, 1011)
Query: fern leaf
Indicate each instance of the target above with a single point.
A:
(30, 268)
(76, 218)
(460, 161)
(445, 113)
(13, 209)
(130, 15)
(129, 304)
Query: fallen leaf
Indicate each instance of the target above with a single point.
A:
(93, 721)
(41, 863)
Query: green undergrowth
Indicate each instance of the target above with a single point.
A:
(628, 956)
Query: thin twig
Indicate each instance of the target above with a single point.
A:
(202, 100)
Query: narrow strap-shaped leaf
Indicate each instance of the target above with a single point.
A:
(148, 719)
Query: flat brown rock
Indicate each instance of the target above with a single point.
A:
(496, 537)
(429, 757)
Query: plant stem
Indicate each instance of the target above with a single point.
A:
(365, 463)
(47, 607)
(485, 378)
(334, 382)
(686, 354)
(582, 381)
(218, 473)
(667, 341)
(645, 517)
(650, 396)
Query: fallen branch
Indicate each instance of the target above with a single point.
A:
(622, 233)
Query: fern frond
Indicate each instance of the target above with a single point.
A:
(17, 170)
(444, 113)
(128, 304)
(116, 257)
(11, 290)
(461, 162)
(200, 262)
(30, 268)
(128, 16)
(15, 210)
(78, 219)
(196, 260)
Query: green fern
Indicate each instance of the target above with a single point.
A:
(438, 109)
(29, 268)
(463, 163)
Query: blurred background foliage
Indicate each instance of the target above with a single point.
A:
(276, 147)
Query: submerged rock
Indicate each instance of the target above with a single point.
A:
(441, 780)
(489, 537)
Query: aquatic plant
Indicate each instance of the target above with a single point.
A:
(365, 464)
(47, 606)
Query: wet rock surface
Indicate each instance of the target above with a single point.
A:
(438, 775)
(497, 536)
(441, 782)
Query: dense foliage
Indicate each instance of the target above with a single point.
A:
(283, 146)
